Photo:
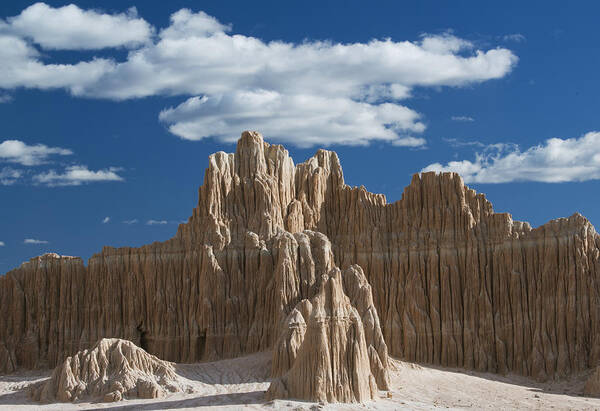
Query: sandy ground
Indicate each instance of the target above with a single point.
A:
(240, 384)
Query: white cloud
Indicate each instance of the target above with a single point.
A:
(186, 24)
(134, 221)
(105, 220)
(2, 244)
(34, 241)
(516, 37)
(303, 120)
(15, 151)
(9, 176)
(444, 44)
(409, 141)
(196, 55)
(454, 142)
(220, 63)
(71, 28)
(77, 175)
(554, 161)
(464, 119)
(21, 66)
(156, 222)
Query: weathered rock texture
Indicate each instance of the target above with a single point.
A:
(326, 351)
(111, 370)
(454, 283)
(592, 385)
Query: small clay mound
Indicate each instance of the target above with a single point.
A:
(111, 370)
(325, 351)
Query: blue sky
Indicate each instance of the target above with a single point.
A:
(109, 111)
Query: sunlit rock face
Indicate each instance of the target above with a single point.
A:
(453, 283)
(111, 370)
(330, 347)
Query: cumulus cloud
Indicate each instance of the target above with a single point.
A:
(71, 28)
(554, 161)
(34, 241)
(15, 151)
(134, 221)
(303, 120)
(105, 220)
(77, 175)
(186, 24)
(464, 119)
(9, 176)
(312, 85)
(21, 65)
(156, 222)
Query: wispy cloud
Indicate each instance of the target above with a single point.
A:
(2, 244)
(18, 152)
(464, 119)
(554, 161)
(34, 241)
(309, 93)
(77, 175)
(454, 142)
(134, 221)
(156, 222)
(105, 220)
(9, 176)
(516, 37)
(15, 151)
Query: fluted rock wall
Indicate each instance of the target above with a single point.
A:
(453, 282)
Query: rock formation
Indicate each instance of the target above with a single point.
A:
(592, 385)
(111, 370)
(326, 351)
(454, 283)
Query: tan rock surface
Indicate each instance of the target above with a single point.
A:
(592, 385)
(454, 283)
(326, 350)
(111, 370)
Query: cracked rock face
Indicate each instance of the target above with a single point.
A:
(111, 370)
(453, 283)
(331, 348)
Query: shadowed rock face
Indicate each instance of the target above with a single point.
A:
(111, 370)
(592, 385)
(454, 283)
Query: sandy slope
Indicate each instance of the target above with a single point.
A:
(240, 384)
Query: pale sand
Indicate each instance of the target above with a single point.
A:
(240, 384)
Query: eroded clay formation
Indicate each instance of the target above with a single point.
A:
(111, 370)
(453, 283)
(331, 348)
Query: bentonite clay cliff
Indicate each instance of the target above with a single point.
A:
(111, 370)
(453, 283)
